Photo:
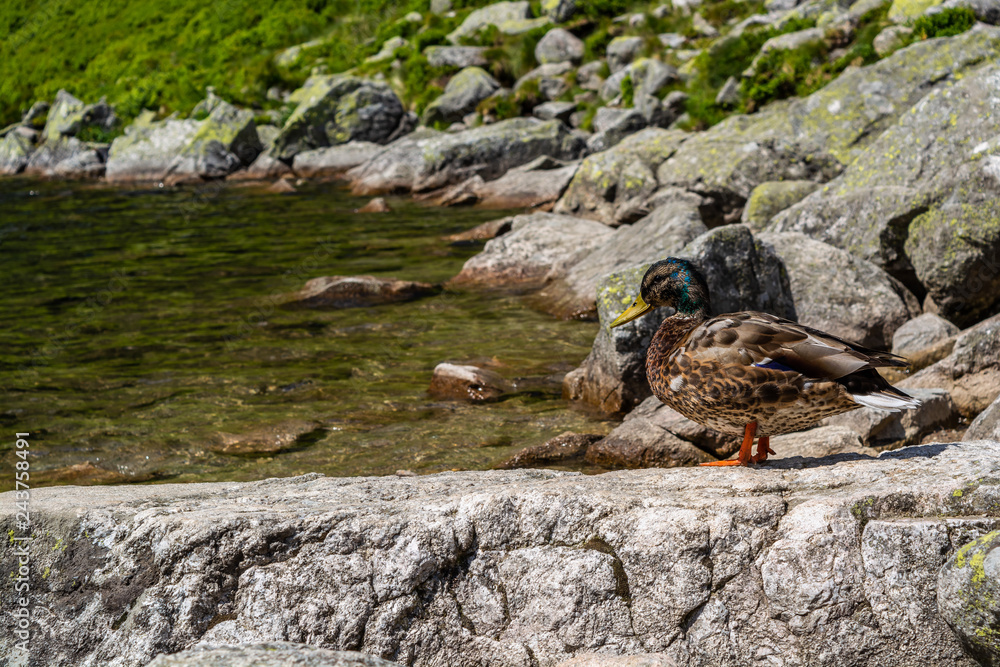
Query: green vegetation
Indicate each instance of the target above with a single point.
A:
(628, 92)
(946, 23)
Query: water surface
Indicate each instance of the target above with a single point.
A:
(140, 325)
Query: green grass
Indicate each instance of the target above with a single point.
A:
(947, 23)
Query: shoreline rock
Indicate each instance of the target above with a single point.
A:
(509, 567)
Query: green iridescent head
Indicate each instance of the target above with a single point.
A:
(672, 283)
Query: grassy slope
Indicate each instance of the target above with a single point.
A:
(142, 53)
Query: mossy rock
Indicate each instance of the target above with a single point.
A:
(904, 10)
(968, 595)
(15, 149)
(772, 197)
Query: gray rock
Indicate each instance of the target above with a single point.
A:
(729, 94)
(456, 56)
(207, 105)
(428, 160)
(440, 6)
(890, 39)
(483, 232)
(289, 56)
(69, 115)
(538, 245)
(589, 77)
(267, 134)
(537, 183)
(594, 191)
(617, 124)
(467, 383)
(388, 50)
(509, 567)
(357, 292)
(987, 425)
(649, 77)
(147, 149)
(968, 591)
(672, 40)
(841, 294)
(57, 150)
(559, 11)
(623, 50)
(666, 231)
(878, 428)
(336, 109)
(37, 112)
(15, 150)
(654, 435)
(787, 42)
(557, 46)
(265, 168)
(702, 26)
(498, 14)
(921, 333)
(810, 138)
(742, 274)
(549, 78)
(224, 142)
(564, 447)
(88, 163)
(818, 442)
(334, 161)
(554, 110)
(269, 654)
(970, 374)
(922, 167)
(770, 198)
(463, 93)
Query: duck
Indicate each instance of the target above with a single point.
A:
(751, 374)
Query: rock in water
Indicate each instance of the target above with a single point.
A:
(336, 109)
(358, 291)
(968, 596)
(564, 447)
(269, 654)
(148, 148)
(264, 440)
(505, 568)
(469, 383)
(15, 151)
(376, 205)
(334, 161)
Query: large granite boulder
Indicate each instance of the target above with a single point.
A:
(68, 115)
(832, 561)
(837, 292)
(66, 156)
(537, 246)
(812, 138)
(463, 93)
(428, 160)
(613, 184)
(148, 148)
(921, 333)
(336, 109)
(224, 142)
(770, 198)
(743, 273)
(921, 200)
(540, 182)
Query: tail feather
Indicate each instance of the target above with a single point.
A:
(881, 400)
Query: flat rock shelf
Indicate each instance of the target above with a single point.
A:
(829, 561)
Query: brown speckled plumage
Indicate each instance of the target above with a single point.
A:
(734, 370)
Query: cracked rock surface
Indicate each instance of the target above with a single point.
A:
(828, 561)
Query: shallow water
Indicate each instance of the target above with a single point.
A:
(140, 324)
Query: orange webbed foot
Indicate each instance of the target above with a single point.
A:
(744, 457)
(763, 449)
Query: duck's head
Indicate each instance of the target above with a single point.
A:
(672, 283)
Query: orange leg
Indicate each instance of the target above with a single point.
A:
(763, 449)
(744, 456)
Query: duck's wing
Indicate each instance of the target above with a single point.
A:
(760, 340)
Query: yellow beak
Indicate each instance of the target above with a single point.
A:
(635, 310)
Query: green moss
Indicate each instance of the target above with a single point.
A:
(947, 23)
(628, 92)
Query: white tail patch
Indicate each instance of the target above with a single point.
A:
(889, 402)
